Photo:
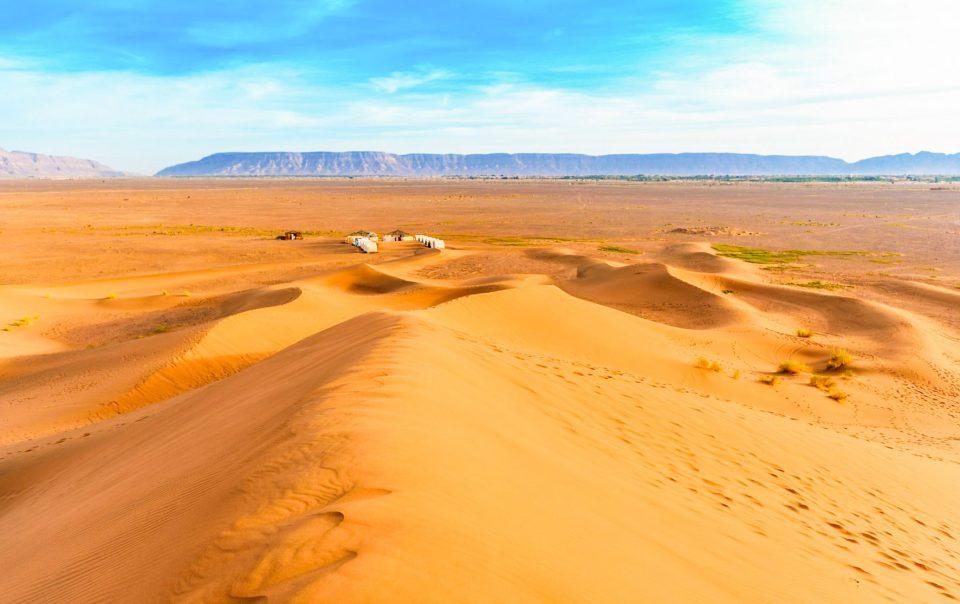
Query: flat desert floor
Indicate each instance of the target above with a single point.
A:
(599, 392)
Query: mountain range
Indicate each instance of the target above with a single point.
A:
(378, 163)
(20, 164)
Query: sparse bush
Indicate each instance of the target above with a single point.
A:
(162, 328)
(164, 293)
(728, 291)
(803, 332)
(186, 293)
(110, 296)
(822, 382)
(705, 363)
(736, 374)
(770, 380)
(793, 367)
(839, 359)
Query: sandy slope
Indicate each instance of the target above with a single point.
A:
(366, 434)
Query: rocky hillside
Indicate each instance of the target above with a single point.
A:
(20, 164)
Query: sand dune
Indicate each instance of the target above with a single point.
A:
(368, 434)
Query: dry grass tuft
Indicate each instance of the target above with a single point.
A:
(110, 296)
(705, 363)
(22, 322)
(803, 332)
(837, 395)
(839, 359)
(736, 374)
(822, 382)
(770, 380)
(793, 367)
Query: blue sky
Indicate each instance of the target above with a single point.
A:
(140, 84)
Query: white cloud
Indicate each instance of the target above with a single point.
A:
(400, 80)
(848, 78)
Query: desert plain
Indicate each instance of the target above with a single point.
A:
(600, 391)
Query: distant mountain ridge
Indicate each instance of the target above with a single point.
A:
(378, 163)
(21, 164)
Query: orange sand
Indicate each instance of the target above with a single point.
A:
(346, 428)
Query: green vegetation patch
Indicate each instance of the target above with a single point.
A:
(756, 255)
(818, 284)
(520, 241)
(618, 249)
(809, 223)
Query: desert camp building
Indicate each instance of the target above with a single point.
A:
(365, 234)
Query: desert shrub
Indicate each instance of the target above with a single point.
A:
(736, 374)
(162, 328)
(770, 380)
(110, 296)
(839, 359)
(186, 293)
(705, 363)
(728, 291)
(793, 367)
(803, 332)
(822, 382)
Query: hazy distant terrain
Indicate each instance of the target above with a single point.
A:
(376, 163)
(20, 164)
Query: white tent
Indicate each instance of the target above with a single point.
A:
(431, 242)
(367, 246)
